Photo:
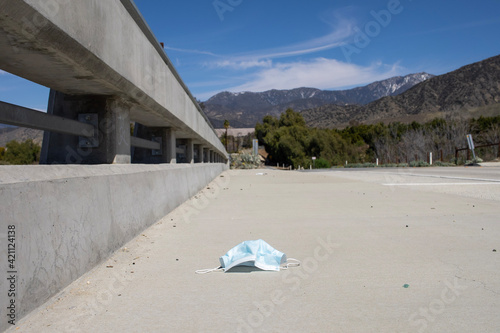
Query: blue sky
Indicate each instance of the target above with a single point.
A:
(256, 45)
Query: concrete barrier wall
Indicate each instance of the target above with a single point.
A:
(68, 219)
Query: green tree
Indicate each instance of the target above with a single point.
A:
(248, 141)
(26, 152)
(288, 140)
(269, 124)
(291, 118)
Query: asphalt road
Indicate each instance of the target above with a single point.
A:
(474, 182)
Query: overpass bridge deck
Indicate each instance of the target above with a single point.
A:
(374, 258)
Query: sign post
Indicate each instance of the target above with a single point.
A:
(314, 162)
(470, 142)
(255, 147)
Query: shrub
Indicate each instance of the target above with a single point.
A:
(321, 163)
(26, 152)
(361, 165)
(419, 164)
(474, 161)
(245, 161)
(443, 164)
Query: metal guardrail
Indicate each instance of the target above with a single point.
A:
(457, 150)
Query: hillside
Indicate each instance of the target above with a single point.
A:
(247, 108)
(470, 91)
(8, 134)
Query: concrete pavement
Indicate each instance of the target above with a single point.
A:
(376, 257)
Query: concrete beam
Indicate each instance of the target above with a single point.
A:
(145, 144)
(19, 116)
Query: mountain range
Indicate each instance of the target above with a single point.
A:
(245, 109)
(10, 133)
(470, 91)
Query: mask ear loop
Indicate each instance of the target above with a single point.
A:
(205, 271)
(291, 262)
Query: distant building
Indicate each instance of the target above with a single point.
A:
(238, 138)
(235, 132)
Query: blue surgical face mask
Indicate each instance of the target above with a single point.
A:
(256, 253)
(253, 253)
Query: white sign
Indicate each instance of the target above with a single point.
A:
(314, 158)
(471, 145)
(255, 147)
(470, 142)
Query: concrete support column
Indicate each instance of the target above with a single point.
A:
(164, 135)
(199, 154)
(169, 146)
(190, 151)
(117, 134)
(211, 156)
(206, 155)
(111, 117)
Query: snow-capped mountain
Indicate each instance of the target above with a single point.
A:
(470, 91)
(245, 109)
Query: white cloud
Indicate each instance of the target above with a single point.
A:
(330, 41)
(190, 51)
(243, 64)
(262, 58)
(319, 73)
